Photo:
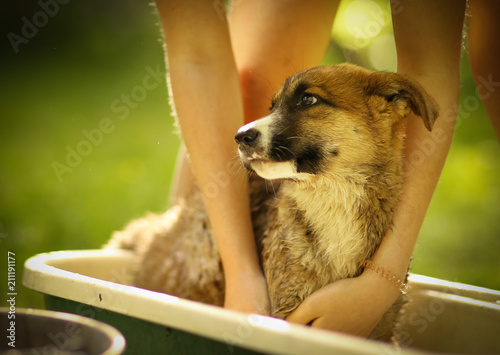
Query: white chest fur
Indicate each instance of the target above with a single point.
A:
(331, 211)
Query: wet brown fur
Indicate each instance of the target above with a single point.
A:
(312, 231)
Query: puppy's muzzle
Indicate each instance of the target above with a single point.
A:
(250, 143)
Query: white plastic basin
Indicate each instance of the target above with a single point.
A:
(443, 317)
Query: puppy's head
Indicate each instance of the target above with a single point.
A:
(333, 119)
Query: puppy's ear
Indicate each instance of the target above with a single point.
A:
(397, 89)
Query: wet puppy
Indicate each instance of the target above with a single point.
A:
(333, 142)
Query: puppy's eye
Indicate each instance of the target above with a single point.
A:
(307, 100)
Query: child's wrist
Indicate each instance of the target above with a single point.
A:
(237, 272)
(387, 274)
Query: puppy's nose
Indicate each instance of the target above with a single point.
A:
(248, 137)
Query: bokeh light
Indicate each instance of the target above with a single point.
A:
(363, 29)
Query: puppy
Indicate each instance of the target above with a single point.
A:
(333, 141)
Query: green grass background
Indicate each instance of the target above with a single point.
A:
(90, 54)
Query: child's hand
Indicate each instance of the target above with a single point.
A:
(247, 293)
(352, 306)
